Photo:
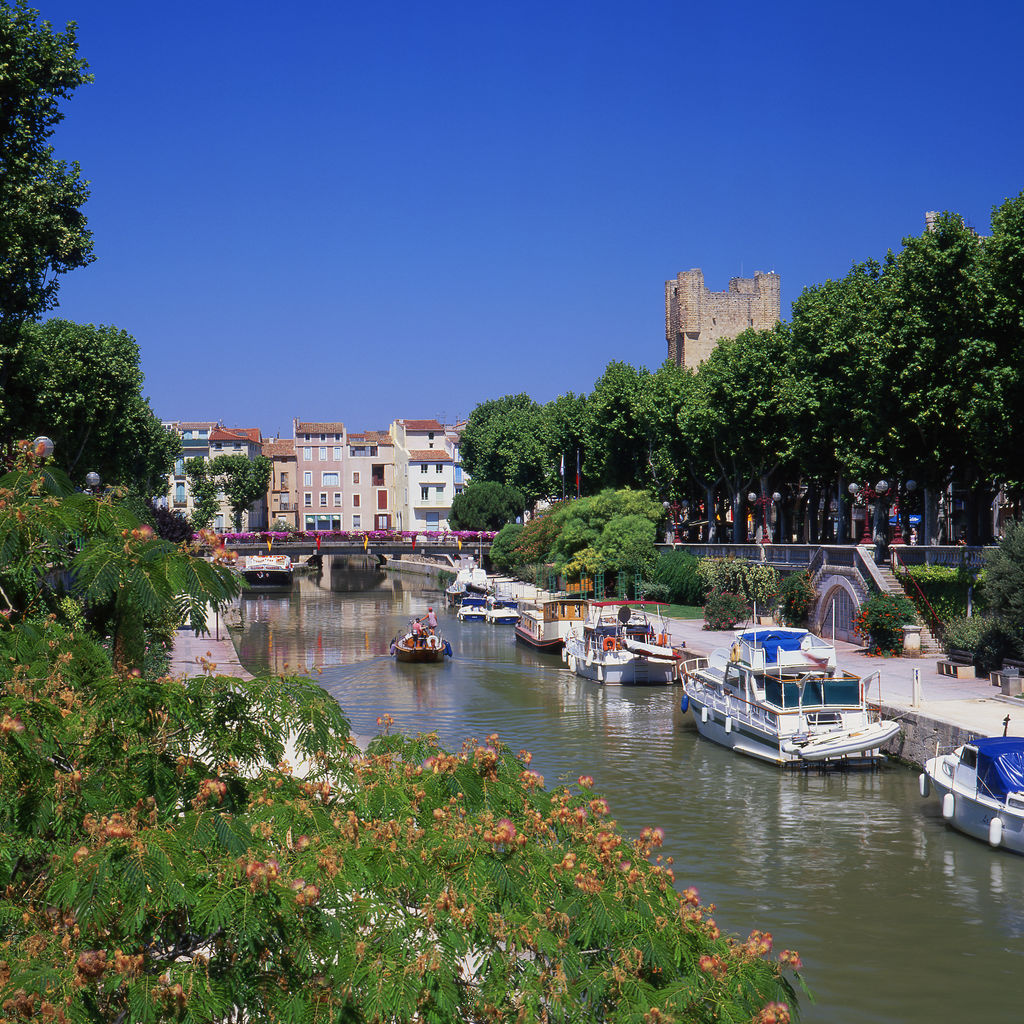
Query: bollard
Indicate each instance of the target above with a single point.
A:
(915, 700)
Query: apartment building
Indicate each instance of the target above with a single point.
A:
(282, 495)
(425, 464)
(247, 441)
(195, 444)
(320, 469)
(370, 481)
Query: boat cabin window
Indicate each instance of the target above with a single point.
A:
(817, 693)
(969, 758)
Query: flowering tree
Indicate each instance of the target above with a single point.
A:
(218, 849)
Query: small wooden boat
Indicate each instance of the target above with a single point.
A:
(421, 647)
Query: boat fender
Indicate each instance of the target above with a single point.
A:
(600, 673)
(447, 648)
(995, 831)
(728, 724)
(704, 715)
(948, 806)
(571, 662)
(589, 659)
(923, 784)
(684, 705)
(609, 643)
(663, 639)
(565, 656)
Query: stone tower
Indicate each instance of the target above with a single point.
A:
(696, 319)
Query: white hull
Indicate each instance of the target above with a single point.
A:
(974, 813)
(777, 695)
(470, 614)
(502, 618)
(619, 667)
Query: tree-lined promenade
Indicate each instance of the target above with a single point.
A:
(908, 369)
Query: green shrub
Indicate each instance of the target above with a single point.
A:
(964, 634)
(503, 549)
(944, 589)
(677, 570)
(655, 590)
(880, 622)
(723, 610)
(796, 595)
(997, 643)
(757, 582)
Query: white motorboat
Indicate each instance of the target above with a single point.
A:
(468, 580)
(267, 570)
(546, 626)
(982, 789)
(473, 608)
(777, 694)
(501, 610)
(619, 644)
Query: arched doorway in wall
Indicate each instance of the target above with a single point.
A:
(836, 610)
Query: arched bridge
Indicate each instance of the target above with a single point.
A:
(302, 547)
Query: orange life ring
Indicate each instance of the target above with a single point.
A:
(663, 639)
(609, 643)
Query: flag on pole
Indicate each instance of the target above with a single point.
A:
(270, 541)
(577, 472)
(562, 470)
(366, 542)
(459, 539)
(318, 542)
(414, 542)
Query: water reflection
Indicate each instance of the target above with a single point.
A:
(898, 918)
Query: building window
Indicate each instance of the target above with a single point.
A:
(323, 454)
(307, 499)
(307, 478)
(439, 468)
(307, 454)
(323, 437)
(310, 522)
(423, 468)
(458, 474)
(355, 501)
(330, 479)
(337, 454)
(179, 467)
(218, 523)
(355, 477)
(337, 499)
(377, 474)
(424, 494)
(356, 523)
(179, 494)
(286, 501)
(323, 500)
(382, 499)
(284, 481)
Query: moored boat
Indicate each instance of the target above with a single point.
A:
(777, 694)
(267, 570)
(981, 785)
(472, 608)
(501, 610)
(421, 646)
(618, 644)
(545, 626)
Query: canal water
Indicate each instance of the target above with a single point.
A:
(897, 918)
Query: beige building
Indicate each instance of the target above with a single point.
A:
(319, 454)
(282, 495)
(247, 441)
(697, 319)
(428, 474)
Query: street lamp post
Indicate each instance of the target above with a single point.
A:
(881, 518)
(777, 501)
(92, 481)
(43, 447)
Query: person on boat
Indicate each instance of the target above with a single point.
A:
(430, 619)
(417, 627)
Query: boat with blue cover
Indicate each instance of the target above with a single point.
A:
(776, 693)
(981, 785)
(472, 608)
(501, 610)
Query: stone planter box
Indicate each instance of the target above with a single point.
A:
(1009, 681)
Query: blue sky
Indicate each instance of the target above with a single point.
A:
(359, 211)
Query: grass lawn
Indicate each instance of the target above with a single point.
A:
(683, 611)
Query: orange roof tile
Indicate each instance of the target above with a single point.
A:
(431, 455)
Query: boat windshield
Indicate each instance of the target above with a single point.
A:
(818, 692)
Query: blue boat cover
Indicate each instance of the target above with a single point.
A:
(772, 641)
(1000, 765)
(473, 602)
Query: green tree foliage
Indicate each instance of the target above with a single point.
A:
(1004, 578)
(677, 570)
(485, 505)
(503, 547)
(581, 524)
(506, 441)
(238, 478)
(880, 622)
(42, 229)
(218, 849)
(122, 572)
(796, 598)
(568, 425)
(756, 582)
(82, 386)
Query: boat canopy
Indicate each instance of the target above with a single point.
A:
(771, 641)
(1000, 765)
(817, 693)
(474, 602)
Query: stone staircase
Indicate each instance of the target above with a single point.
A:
(929, 645)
